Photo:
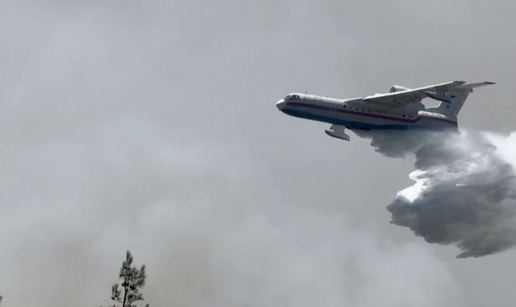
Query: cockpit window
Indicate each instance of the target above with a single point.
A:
(291, 97)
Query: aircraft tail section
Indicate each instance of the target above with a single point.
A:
(453, 100)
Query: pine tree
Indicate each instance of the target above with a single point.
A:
(133, 279)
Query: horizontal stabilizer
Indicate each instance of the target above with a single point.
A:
(454, 98)
(471, 86)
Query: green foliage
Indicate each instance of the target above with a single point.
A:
(133, 280)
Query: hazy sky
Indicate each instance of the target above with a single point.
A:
(152, 126)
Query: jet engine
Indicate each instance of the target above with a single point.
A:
(397, 88)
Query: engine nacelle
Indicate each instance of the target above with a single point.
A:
(397, 88)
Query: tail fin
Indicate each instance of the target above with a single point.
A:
(457, 96)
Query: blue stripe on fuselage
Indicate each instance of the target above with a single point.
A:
(348, 124)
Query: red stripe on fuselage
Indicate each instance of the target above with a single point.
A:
(405, 120)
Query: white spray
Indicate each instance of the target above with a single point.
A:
(464, 192)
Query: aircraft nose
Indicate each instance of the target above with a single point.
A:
(281, 104)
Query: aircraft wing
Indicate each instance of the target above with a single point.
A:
(411, 96)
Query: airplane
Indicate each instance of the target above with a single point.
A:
(399, 109)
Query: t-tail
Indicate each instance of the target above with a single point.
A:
(453, 99)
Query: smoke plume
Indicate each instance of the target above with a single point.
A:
(464, 192)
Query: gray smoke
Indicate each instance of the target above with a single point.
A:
(151, 126)
(464, 192)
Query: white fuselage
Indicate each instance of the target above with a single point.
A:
(355, 114)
